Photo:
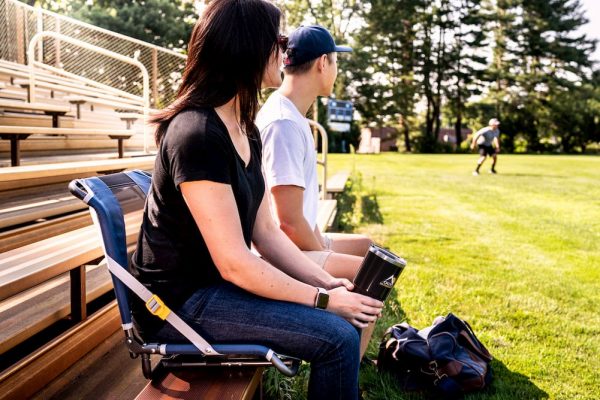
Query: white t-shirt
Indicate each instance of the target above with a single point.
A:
(289, 155)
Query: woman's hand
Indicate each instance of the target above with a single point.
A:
(337, 282)
(355, 308)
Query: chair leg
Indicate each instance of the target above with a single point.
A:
(146, 366)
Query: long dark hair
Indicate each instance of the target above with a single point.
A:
(228, 52)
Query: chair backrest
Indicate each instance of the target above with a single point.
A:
(110, 198)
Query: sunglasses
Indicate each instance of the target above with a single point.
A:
(282, 41)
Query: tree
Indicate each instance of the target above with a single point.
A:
(537, 57)
(466, 60)
(382, 70)
(165, 23)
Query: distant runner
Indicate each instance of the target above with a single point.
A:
(488, 144)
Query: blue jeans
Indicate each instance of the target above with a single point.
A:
(226, 314)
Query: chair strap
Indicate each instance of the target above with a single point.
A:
(156, 306)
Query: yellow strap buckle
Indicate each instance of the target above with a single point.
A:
(156, 306)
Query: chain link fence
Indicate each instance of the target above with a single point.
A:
(20, 22)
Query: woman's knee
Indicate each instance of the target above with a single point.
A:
(343, 342)
(350, 338)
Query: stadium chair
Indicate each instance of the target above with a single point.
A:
(110, 197)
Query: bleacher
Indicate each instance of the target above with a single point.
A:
(58, 318)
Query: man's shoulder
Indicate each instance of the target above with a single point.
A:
(278, 110)
(483, 130)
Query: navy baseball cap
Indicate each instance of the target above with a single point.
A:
(309, 42)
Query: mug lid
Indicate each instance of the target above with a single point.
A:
(387, 255)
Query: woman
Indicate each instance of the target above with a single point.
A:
(207, 205)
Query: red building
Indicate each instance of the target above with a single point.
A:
(374, 140)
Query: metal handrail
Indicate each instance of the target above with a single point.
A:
(325, 147)
(145, 76)
(54, 15)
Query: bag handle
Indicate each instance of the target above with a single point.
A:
(479, 348)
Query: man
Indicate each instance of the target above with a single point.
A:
(289, 157)
(488, 143)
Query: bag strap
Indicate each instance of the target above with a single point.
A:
(479, 348)
(158, 308)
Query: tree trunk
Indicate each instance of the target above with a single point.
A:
(405, 133)
(458, 128)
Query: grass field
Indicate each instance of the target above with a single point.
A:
(516, 254)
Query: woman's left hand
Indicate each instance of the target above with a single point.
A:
(337, 282)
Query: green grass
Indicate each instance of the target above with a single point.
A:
(516, 254)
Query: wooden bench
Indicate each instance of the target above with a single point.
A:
(33, 310)
(34, 232)
(34, 175)
(8, 94)
(91, 379)
(17, 133)
(20, 211)
(78, 100)
(48, 109)
(32, 373)
(68, 86)
(337, 183)
(23, 268)
(326, 214)
(208, 384)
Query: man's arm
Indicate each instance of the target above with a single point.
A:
(496, 143)
(475, 137)
(288, 204)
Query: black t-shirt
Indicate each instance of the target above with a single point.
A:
(172, 258)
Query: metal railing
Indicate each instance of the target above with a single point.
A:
(21, 22)
(323, 160)
(144, 99)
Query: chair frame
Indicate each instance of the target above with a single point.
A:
(99, 193)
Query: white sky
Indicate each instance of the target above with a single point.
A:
(592, 28)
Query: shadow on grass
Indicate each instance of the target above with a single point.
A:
(370, 209)
(524, 175)
(356, 206)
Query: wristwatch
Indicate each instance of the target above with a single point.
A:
(322, 298)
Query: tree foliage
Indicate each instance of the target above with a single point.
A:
(166, 23)
(423, 64)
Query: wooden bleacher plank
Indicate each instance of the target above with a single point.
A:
(11, 119)
(23, 379)
(89, 378)
(32, 175)
(7, 94)
(337, 183)
(326, 214)
(81, 99)
(24, 267)
(24, 106)
(48, 206)
(17, 133)
(31, 233)
(83, 91)
(30, 130)
(30, 312)
(206, 384)
(19, 71)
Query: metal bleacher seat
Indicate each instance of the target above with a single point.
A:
(110, 197)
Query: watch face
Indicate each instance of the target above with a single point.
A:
(322, 300)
